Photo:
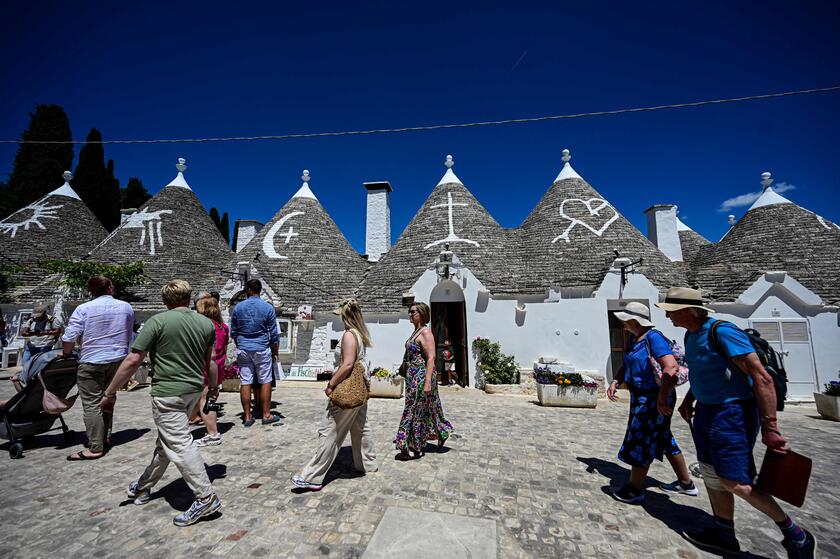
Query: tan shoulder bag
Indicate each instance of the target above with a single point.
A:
(352, 392)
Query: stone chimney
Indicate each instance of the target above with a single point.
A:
(663, 230)
(243, 231)
(378, 223)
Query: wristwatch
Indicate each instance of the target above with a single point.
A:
(106, 395)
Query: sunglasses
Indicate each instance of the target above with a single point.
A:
(412, 311)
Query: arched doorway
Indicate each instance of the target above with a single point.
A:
(449, 325)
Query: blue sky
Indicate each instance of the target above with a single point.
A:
(215, 69)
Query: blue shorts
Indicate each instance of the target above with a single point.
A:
(724, 435)
(255, 366)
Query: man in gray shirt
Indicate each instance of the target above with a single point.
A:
(41, 332)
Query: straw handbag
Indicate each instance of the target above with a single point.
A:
(352, 392)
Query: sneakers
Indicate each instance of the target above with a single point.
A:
(710, 538)
(199, 508)
(677, 488)
(303, 484)
(807, 549)
(209, 440)
(628, 494)
(140, 497)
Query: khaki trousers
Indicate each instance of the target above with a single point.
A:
(175, 444)
(92, 379)
(331, 436)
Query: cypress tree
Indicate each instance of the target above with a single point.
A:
(224, 226)
(95, 183)
(37, 167)
(214, 215)
(134, 194)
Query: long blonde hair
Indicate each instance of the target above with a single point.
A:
(351, 314)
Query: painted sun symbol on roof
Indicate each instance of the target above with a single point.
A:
(40, 210)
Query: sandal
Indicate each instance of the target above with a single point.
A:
(80, 455)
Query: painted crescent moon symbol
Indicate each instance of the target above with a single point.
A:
(268, 240)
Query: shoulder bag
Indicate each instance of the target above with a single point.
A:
(352, 392)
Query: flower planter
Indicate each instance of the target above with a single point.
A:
(828, 406)
(502, 388)
(554, 395)
(391, 387)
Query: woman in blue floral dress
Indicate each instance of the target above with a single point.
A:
(648, 435)
(422, 417)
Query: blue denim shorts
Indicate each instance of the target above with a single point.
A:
(724, 435)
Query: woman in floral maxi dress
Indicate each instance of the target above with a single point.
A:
(422, 418)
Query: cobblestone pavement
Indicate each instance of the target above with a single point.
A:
(539, 473)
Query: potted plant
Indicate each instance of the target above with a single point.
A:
(828, 403)
(498, 372)
(385, 384)
(567, 390)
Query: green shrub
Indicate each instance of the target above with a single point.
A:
(498, 368)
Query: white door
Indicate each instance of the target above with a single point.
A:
(791, 338)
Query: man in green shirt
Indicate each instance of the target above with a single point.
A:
(180, 343)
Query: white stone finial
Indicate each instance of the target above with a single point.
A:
(305, 177)
(182, 165)
(68, 176)
(179, 179)
(449, 162)
(731, 220)
(567, 172)
(766, 180)
(566, 156)
(305, 191)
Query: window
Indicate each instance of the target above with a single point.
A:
(284, 327)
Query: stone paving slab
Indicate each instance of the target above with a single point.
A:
(406, 533)
(538, 473)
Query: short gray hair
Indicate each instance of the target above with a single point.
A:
(697, 312)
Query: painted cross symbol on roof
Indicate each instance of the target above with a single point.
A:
(289, 234)
(452, 238)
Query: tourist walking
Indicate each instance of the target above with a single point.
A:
(104, 328)
(735, 399)
(339, 421)
(209, 307)
(253, 326)
(180, 342)
(648, 436)
(41, 332)
(422, 417)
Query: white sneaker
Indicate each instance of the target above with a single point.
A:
(209, 440)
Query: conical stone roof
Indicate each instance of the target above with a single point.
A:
(175, 239)
(58, 225)
(303, 256)
(772, 236)
(570, 238)
(450, 215)
(690, 240)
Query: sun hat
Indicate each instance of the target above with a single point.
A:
(635, 311)
(678, 298)
(40, 311)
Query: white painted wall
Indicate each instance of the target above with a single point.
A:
(245, 231)
(378, 223)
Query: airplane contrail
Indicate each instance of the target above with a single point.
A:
(516, 64)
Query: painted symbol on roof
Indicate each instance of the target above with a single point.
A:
(149, 224)
(268, 240)
(452, 237)
(584, 212)
(40, 210)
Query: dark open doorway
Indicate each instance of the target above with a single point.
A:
(619, 334)
(449, 326)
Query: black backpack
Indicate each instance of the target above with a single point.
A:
(766, 354)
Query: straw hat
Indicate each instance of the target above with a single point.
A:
(635, 311)
(678, 298)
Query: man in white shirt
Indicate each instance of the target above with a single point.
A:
(105, 328)
(41, 332)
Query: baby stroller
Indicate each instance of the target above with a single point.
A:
(24, 415)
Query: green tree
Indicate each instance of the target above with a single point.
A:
(76, 274)
(134, 194)
(37, 167)
(95, 182)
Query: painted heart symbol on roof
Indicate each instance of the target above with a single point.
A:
(594, 207)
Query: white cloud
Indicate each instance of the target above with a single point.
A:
(747, 199)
